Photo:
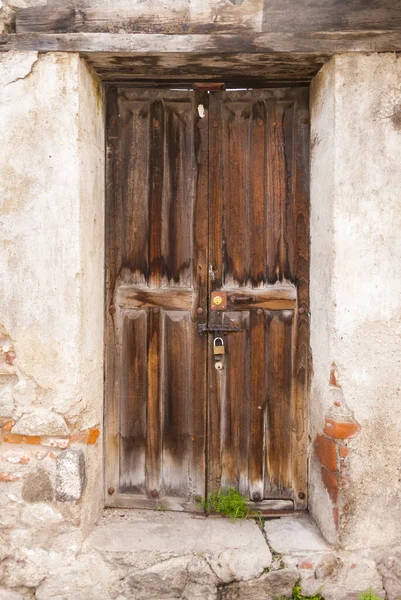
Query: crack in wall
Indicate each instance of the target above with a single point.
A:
(28, 74)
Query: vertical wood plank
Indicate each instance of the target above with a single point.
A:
(154, 420)
(177, 404)
(197, 472)
(156, 191)
(215, 268)
(277, 193)
(278, 417)
(112, 231)
(134, 189)
(258, 163)
(235, 407)
(133, 407)
(301, 326)
(235, 191)
(257, 406)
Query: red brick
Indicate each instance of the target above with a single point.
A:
(326, 451)
(93, 434)
(10, 357)
(333, 378)
(330, 481)
(335, 517)
(305, 565)
(13, 438)
(9, 477)
(31, 439)
(343, 452)
(341, 430)
(80, 436)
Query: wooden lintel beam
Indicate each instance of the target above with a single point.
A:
(311, 43)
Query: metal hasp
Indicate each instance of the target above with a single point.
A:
(216, 327)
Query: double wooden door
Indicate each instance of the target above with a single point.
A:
(207, 195)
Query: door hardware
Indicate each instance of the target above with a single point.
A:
(218, 348)
(217, 328)
(242, 299)
(218, 301)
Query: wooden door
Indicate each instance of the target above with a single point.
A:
(207, 194)
(259, 244)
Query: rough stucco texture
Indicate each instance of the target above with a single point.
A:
(51, 265)
(356, 295)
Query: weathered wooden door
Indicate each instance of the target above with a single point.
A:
(207, 197)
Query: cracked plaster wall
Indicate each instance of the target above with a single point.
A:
(51, 295)
(356, 292)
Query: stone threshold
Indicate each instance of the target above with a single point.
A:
(150, 555)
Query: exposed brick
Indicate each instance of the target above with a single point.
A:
(305, 565)
(13, 438)
(333, 377)
(343, 452)
(80, 436)
(326, 451)
(341, 430)
(93, 434)
(8, 426)
(10, 357)
(9, 477)
(336, 517)
(31, 439)
(89, 436)
(330, 481)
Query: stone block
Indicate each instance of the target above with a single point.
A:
(172, 578)
(294, 534)
(70, 475)
(276, 584)
(40, 514)
(41, 422)
(37, 487)
(11, 595)
(6, 401)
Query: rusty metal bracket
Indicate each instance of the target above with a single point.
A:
(216, 327)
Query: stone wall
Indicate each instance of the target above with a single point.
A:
(51, 322)
(355, 415)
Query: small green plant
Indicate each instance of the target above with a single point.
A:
(229, 503)
(368, 595)
(297, 594)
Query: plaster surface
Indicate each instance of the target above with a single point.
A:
(356, 291)
(52, 281)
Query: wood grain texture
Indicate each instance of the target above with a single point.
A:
(258, 245)
(157, 217)
(183, 16)
(197, 204)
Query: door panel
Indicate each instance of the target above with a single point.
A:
(156, 360)
(201, 202)
(258, 215)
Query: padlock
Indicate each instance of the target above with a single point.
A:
(218, 348)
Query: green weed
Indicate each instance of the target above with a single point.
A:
(229, 503)
(368, 595)
(297, 594)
